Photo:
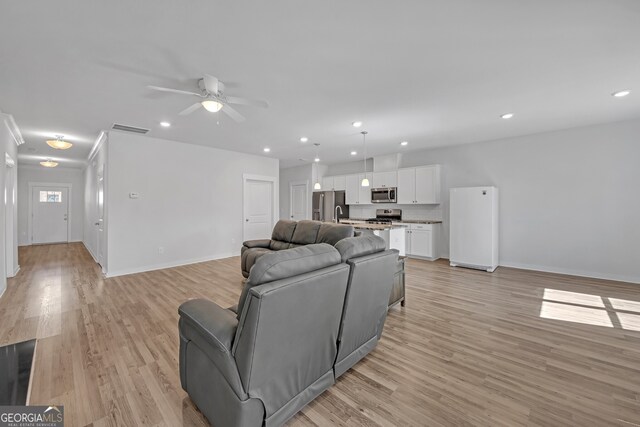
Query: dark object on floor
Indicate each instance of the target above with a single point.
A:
(15, 370)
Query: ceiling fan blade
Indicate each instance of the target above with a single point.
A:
(211, 84)
(245, 101)
(166, 89)
(190, 109)
(233, 113)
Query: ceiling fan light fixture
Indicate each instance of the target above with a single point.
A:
(49, 163)
(211, 105)
(58, 143)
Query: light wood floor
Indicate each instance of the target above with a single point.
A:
(470, 348)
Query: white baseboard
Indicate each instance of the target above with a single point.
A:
(568, 271)
(16, 271)
(171, 264)
(90, 252)
(3, 291)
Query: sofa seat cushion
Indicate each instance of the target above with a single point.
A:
(278, 245)
(353, 247)
(306, 232)
(278, 265)
(333, 233)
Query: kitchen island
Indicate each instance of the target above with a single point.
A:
(393, 235)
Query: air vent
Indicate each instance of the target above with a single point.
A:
(125, 128)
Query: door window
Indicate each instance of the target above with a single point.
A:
(51, 196)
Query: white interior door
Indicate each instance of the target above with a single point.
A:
(100, 220)
(258, 209)
(50, 209)
(299, 203)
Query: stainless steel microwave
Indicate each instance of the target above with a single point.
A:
(383, 195)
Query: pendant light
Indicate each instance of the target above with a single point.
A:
(317, 185)
(365, 180)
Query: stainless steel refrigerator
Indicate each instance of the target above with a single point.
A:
(324, 205)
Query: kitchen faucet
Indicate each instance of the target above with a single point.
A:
(335, 213)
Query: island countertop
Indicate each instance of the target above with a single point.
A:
(354, 222)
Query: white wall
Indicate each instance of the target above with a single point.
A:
(569, 200)
(27, 174)
(190, 202)
(295, 174)
(8, 146)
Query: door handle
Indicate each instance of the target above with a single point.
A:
(97, 223)
(246, 220)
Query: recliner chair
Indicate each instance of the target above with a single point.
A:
(371, 272)
(263, 364)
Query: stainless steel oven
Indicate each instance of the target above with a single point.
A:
(383, 195)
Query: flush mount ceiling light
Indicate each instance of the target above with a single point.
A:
(621, 93)
(304, 139)
(266, 149)
(506, 116)
(49, 163)
(356, 124)
(58, 143)
(404, 143)
(354, 153)
(365, 180)
(165, 124)
(317, 185)
(211, 105)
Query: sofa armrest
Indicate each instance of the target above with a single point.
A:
(261, 243)
(214, 323)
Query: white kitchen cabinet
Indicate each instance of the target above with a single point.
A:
(339, 183)
(327, 183)
(335, 183)
(356, 194)
(385, 179)
(364, 198)
(406, 193)
(419, 185)
(352, 193)
(420, 240)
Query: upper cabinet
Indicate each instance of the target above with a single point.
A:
(385, 179)
(419, 185)
(335, 183)
(355, 193)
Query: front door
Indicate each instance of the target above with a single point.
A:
(298, 201)
(258, 209)
(50, 215)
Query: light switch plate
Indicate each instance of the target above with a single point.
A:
(133, 195)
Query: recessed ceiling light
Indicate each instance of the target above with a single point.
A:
(165, 124)
(304, 139)
(354, 153)
(403, 143)
(317, 159)
(266, 149)
(356, 124)
(621, 93)
(506, 116)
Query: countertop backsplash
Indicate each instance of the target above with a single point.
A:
(414, 212)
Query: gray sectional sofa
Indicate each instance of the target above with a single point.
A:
(291, 234)
(305, 316)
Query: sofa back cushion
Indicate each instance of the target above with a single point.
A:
(279, 265)
(306, 232)
(333, 233)
(283, 231)
(353, 247)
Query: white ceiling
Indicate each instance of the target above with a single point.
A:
(431, 72)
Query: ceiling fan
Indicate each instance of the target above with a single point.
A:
(214, 99)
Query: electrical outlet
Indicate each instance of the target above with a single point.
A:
(233, 240)
(160, 250)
